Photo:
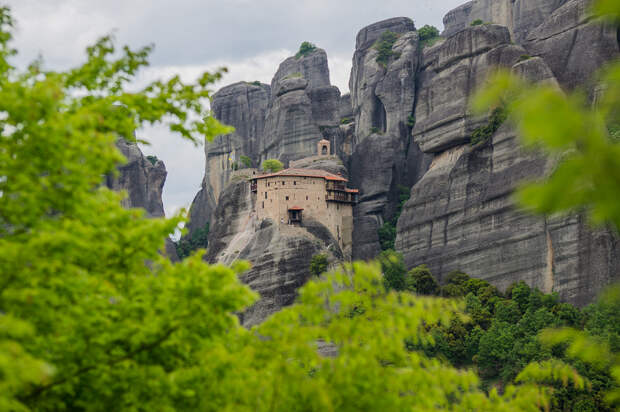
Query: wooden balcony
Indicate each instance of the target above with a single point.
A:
(341, 196)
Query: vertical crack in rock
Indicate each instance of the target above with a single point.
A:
(548, 276)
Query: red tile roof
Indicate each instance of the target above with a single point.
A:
(295, 208)
(303, 173)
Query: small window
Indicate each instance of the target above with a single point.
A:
(265, 195)
(286, 197)
(263, 204)
(268, 184)
(337, 207)
(283, 183)
(306, 197)
(294, 183)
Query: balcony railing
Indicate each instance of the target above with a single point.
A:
(338, 196)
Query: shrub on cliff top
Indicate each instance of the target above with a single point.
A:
(428, 35)
(305, 49)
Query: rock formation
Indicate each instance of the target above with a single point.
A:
(518, 16)
(143, 181)
(303, 106)
(574, 44)
(407, 123)
(460, 215)
(383, 97)
(451, 73)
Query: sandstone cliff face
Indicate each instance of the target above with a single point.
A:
(574, 44)
(451, 73)
(460, 215)
(282, 121)
(519, 16)
(383, 98)
(143, 182)
(243, 106)
(303, 106)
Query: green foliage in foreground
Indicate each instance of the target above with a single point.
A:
(477, 22)
(189, 244)
(272, 165)
(383, 45)
(318, 264)
(305, 49)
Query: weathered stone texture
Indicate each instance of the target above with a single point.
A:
(452, 72)
(461, 217)
(383, 99)
(201, 210)
(303, 105)
(574, 44)
(519, 16)
(143, 182)
(243, 106)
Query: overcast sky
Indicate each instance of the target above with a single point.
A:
(250, 37)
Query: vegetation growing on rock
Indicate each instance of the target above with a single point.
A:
(305, 49)
(245, 160)
(152, 159)
(485, 132)
(383, 45)
(318, 264)
(428, 35)
(387, 231)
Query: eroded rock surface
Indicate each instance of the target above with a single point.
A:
(519, 16)
(461, 217)
(383, 98)
(303, 106)
(452, 72)
(143, 181)
(280, 254)
(574, 44)
(244, 106)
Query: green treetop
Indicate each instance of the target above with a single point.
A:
(272, 165)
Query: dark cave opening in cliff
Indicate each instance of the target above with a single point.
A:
(379, 116)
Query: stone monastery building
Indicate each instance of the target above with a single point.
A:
(292, 195)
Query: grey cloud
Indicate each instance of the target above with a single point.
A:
(250, 37)
(189, 31)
